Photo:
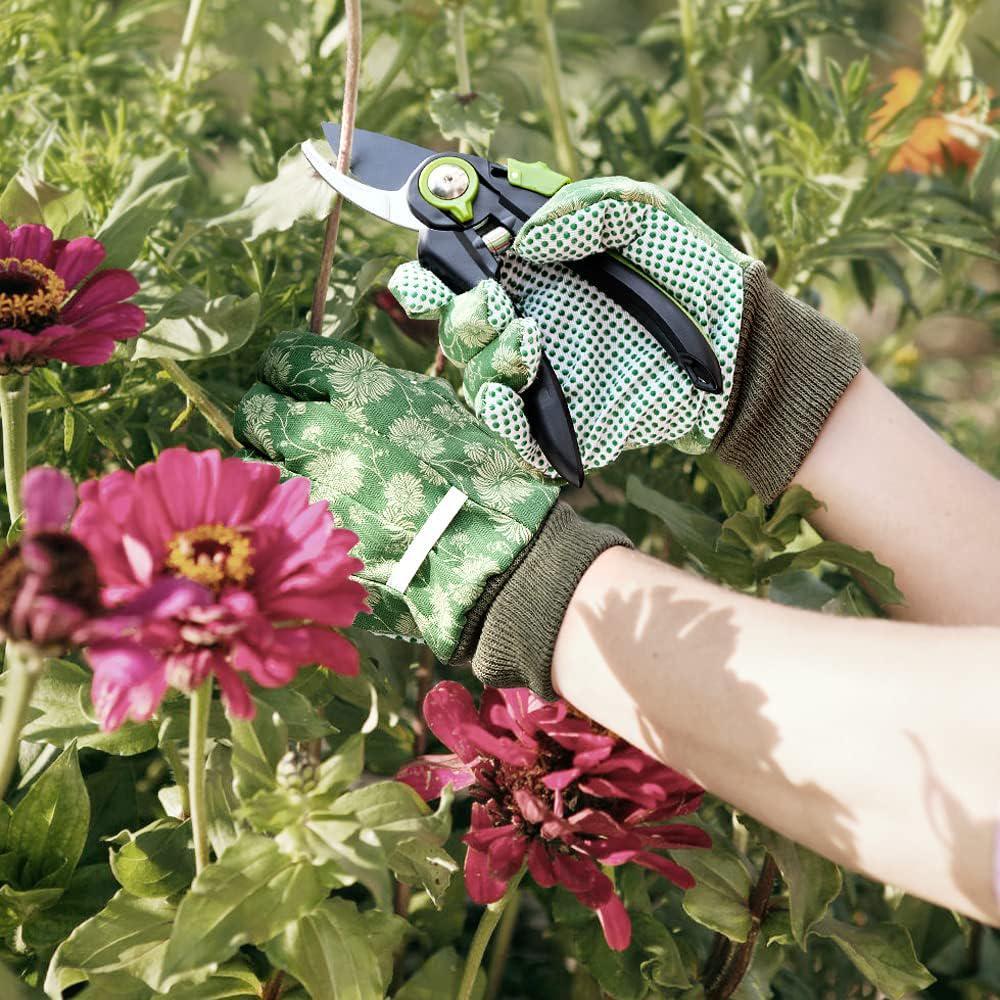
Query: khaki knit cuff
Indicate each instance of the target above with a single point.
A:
(794, 368)
(511, 631)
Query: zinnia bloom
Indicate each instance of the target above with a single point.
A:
(48, 582)
(54, 306)
(272, 569)
(937, 139)
(557, 792)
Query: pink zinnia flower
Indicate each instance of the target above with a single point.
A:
(48, 583)
(53, 305)
(273, 571)
(554, 790)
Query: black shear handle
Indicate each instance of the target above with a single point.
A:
(657, 312)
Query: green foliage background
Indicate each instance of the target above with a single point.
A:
(755, 113)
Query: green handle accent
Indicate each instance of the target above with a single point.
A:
(460, 207)
(535, 176)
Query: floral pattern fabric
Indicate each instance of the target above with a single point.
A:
(382, 447)
(623, 391)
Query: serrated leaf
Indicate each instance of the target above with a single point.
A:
(883, 953)
(472, 116)
(329, 952)
(156, 861)
(48, 828)
(813, 882)
(152, 192)
(190, 326)
(246, 897)
(296, 193)
(880, 579)
(129, 935)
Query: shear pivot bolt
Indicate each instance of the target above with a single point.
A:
(448, 182)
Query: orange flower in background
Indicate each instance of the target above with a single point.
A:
(937, 139)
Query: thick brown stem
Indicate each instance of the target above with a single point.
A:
(739, 956)
(349, 110)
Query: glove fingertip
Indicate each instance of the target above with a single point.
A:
(502, 411)
(420, 292)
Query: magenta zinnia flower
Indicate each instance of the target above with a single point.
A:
(273, 571)
(54, 306)
(48, 582)
(557, 792)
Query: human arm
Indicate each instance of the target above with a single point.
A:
(894, 487)
(872, 742)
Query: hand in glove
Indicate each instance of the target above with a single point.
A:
(784, 365)
(464, 547)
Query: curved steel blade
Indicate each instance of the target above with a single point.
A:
(389, 205)
(379, 160)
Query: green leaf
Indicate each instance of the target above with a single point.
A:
(190, 326)
(150, 195)
(61, 711)
(696, 533)
(89, 890)
(27, 198)
(466, 116)
(883, 953)
(156, 861)
(258, 745)
(732, 486)
(234, 981)
(17, 906)
(813, 882)
(246, 897)
(129, 935)
(296, 193)
(221, 799)
(718, 899)
(343, 767)
(746, 528)
(439, 977)
(48, 828)
(329, 952)
(786, 521)
(880, 579)
(297, 713)
(660, 959)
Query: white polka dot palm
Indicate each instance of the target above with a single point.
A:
(622, 389)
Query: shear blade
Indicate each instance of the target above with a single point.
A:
(378, 160)
(392, 206)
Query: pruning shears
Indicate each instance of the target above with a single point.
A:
(467, 211)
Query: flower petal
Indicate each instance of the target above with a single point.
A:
(49, 498)
(429, 775)
(103, 289)
(31, 242)
(78, 258)
(129, 682)
(482, 885)
(615, 923)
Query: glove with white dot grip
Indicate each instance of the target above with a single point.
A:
(784, 366)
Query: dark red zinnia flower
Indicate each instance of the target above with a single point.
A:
(557, 792)
(56, 305)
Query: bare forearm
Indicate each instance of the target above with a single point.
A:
(872, 742)
(892, 486)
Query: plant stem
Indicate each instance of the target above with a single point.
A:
(501, 947)
(552, 88)
(272, 988)
(739, 956)
(487, 924)
(24, 665)
(201, 704)
(189, 35)
(349, 111)
(201, 401)
(696, 101)
(14, 414)
(463, 76)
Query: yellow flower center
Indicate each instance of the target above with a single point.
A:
(30, 294)
(211, 554)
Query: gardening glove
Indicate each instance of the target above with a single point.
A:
(784, 365)
(464, 547)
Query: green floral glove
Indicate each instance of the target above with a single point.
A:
(444, 512)
(784, 366)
